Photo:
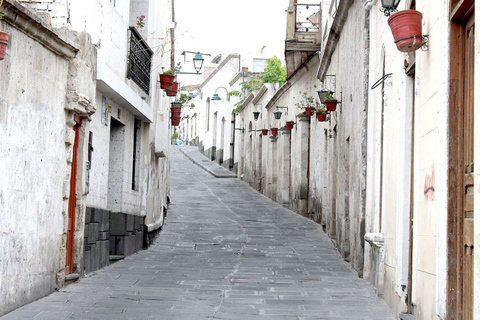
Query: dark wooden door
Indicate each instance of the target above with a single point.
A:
(468, 160)
(72, 203)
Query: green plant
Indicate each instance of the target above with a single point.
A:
(185, 117)
(330, 97)
(184, 98)
(274, 71)
(194, 115)
(321, 110)
(308, 102)
(169, 72)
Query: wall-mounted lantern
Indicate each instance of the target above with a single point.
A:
(198, 61)
(216, 97)
(323, 94)
(256, 114)
(389, 6)
(278, 114)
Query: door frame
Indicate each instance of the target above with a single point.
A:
(460, 13)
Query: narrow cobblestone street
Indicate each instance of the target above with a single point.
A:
(226, 252)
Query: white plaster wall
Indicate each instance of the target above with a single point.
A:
(430, 150)
(34, 166)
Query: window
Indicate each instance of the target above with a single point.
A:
(139, 61)
(259, 65)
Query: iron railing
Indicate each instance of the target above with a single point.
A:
(139, 60)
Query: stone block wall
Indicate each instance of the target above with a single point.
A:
(126, 233)
(97, 238)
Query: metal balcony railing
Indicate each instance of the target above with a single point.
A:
(139, 60)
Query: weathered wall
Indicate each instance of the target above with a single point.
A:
(39, 95)
(417, 103)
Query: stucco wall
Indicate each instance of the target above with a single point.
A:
(39, 95)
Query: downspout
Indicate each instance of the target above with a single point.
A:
(172, 38)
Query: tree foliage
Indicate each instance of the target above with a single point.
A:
(274, 71)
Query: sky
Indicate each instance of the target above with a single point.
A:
(231, 26)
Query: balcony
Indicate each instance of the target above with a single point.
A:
(139, 60)
(303, 34)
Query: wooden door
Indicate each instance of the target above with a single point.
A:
(72, 203)
(461, 164)
(468, 159)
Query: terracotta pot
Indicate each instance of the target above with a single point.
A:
(331, 104)
(3, 43)
(264, 132)
(321, 117)
(289, 125)
(166, 81)
(176, 111)
(309, 111)
(406, 28)
(175, 121)
(172, 92)
(274, 131)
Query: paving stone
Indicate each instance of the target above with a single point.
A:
(225, 252)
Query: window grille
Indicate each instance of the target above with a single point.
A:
(139, 60)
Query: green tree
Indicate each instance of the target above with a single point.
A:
(274, 71)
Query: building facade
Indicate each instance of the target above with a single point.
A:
(107, 189)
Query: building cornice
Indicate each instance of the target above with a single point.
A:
(278, 95)
(333, 37)
(56, 40)
(220, 66)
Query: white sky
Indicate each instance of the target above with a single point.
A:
(231, 26)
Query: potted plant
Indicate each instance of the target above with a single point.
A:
(331, 103)
(173, 91)
(274, 131)
(176, 112)
(166, 79)
(264, 132)
(406, 28)
(289, 125)
(308, 103)
(321, 114)
(4, 36)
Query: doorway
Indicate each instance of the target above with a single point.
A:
(461, 169)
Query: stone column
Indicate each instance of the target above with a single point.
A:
(300, 168)
(284, 160)
(273, 176)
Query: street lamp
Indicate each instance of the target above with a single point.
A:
(198, 61)
(323, 94)
(216, 97)
(389, 6)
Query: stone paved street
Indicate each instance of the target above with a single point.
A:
(226, 252)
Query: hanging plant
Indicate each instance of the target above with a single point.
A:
(308, 103)
(274, 131)
(4, 37)
(289, 125)
(173, 91)
(264, 132)
(321, 114)
(166, 79)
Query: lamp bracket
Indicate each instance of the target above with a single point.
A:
(228, 96)
(381, 80)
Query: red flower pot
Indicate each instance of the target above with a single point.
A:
(175, 121)
(274, 131)
(176, 111)
(172, 92)
(321, 117)
(309, 111)
(289, 125)
(264, 132)
(406, 28)
(166, 81)
(331, 104)
(3, 44)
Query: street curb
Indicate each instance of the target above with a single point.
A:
(218, 171)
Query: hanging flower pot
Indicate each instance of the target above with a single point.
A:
(264, 132)
(274, 131)
(175, 122)
(309, 111)
(331, 104)
(406, 28)
(321, 116)
(3, 43)
(166, 80)
(172, 92)
(289, 125)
